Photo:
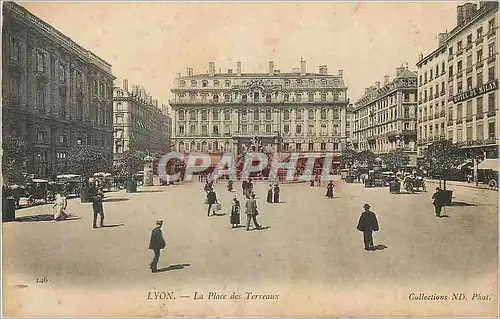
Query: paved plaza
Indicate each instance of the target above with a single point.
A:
(308, 257)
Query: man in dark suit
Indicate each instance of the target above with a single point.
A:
(367, 224)
(211, 200)
(156, 243)
(251, 211)
(437, 201)
(97, 198)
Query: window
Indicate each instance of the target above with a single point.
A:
(268, 98)
(459, 66)
(62, 73)
(450, 113)
(479, 78)
(256, 96)
(310, 97)
(479, 33)
(336, 114)
(450, 71)
(14, 90)
(420, 79)
(286, 146)
(244, 129)
(479, 55)
(215, 129)
(335, 97)
(298, 129)
(256, 115)
(40, 61)
(437, 70)
(298, 97)
(215, 97)
(286, 115)
(323, 129)
(204, 115)
(323, 114)
(40, 98)
(286, 128)
(491, 24)
(119, 119)
(40, 136)
(182, 83)
(268, 115)
(469, 83)
(323, 97)
(311, 82)
(204, 130)
(460, 136)
(469, 39)
(14, 49)
(192, 115)
(491, 50)
(468, 111)
(491, 102)
(244, 115)
(298, 114)
(215, 115)
(244, 98)
(450, 50)
(406, 112)
(216, 83)
(193, 83)
(227, 115)
(459, 87)
(491, 74)
(287, 83)
(268, 128)
(181, 129)
(430, 75)
(204, 84)
(227, 97)
(468, 133)
(459, 111)
(459, 46)
(480, 131)
(323, 146)
(286, 97)
(310, 129)
(425, 77)
(310, 114)
(491, 130)
(311, 146)
(299, 82)
(469, 61)
(298, 146)
(227, 83)
(479, 105)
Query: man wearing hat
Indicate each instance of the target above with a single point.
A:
(437, 202)
(368, 223)
(156, 244)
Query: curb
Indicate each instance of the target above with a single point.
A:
(460, 185)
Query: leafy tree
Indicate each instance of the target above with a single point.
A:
(129, 163)
(86, 160)
(367, 158)
(396, 159)
(14, 158)
(443, 157)
(348, 158)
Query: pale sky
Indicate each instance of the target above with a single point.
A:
(149, 43)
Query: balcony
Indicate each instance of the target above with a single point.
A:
(450, 57)
(468, 118)
(479, 40)
(425, 99)
(491, 59)
(436, 114)
(442, 113)
(436, 95)
(459, 74)
(449, 123)
(491, 33)
(459, 52)
(420, 101)
(450, 78)
(443, 92)
(479, 116)
(468, 70)
(491, 113)
(479, 64)
(491, 141)
(468, 47)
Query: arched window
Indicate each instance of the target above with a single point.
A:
(204, 83)
(181, 115)
(323, 114)
(216, 83)
(311, 82)
(227, 83)
(286, 114)
(310, 114)
(193, 83)
(298, 129)
(182, 83)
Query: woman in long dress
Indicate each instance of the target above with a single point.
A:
(270, 194)
(59, 206)
(276, 193)
(235, 213)
(329, 190)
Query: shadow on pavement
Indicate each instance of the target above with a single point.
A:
(379, 247)
(111, 200)
(444, 216)
(173, 267)
(43, 218)
(262, 228)
(239, 226)
(113, 225)
(151, 191)
(462, 204)
(215, 214)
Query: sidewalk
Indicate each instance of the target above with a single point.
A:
(462, 184)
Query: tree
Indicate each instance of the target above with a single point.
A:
(395, 159)
(14, 158)
(129, 163)
(86, 160)
(348, 158)
(367, 158)
(443, 157)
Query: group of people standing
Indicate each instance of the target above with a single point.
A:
(273, 193)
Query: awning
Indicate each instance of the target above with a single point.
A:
(491, 163)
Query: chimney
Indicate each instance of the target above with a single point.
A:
(125, 85)
(442, 38)
(323, 69)
(238, 68)
(189, 71)
(271, 67)
(420, 57)
(211, 68)
(303, 69)
(386, 80)
(341, 72)
(469, 9)
(377, 84)
(460, 15)
(229, 71)
(400, 70)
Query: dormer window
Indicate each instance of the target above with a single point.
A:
(193, 83)
(204, 84)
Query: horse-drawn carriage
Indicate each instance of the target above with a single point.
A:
(39, 190)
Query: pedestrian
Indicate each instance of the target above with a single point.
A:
(318, 180)
(270, 194)
(276, 193)
(235, 212)
(211, 200)
(329, 189)
(244, 187)
(437, 201)
(251, 211)
(156, 243)
(60, 204)
(97, 198)
(207, 187)
(312, 183)
(367, 224)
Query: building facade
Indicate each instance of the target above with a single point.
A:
(470, 92)
(385, 117)
(139, 121)
(296, 111)
(56, 94)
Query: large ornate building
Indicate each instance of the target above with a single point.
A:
(385, 117)
(465, 109)
(139, 120)
(56, 94)
(294, 111)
